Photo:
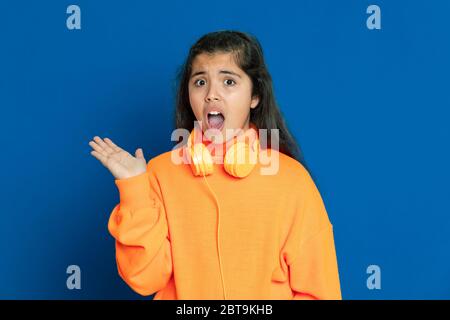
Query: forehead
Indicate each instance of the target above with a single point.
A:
(206, 61)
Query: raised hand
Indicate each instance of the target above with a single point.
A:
(119, 162)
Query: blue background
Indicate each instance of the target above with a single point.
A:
(369, 108)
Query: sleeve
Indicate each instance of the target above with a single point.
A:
(139, 225)
(310, 250)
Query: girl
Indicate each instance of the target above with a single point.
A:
(215, 227)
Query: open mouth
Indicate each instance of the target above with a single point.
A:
(215, 120)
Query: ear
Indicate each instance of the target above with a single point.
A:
(255, 102)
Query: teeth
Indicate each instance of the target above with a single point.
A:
(214, 113)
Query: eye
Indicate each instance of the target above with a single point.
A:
(230, 80)
(196, 81)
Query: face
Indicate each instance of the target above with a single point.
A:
(220, 95)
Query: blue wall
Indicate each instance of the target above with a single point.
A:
(370, 109)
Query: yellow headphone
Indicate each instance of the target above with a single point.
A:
(201, 163)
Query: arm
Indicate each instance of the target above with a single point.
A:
(311, 254)
(314, 272)
(138, 224)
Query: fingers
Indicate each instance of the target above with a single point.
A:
(106, 148)
(112, 145)
(139, 153)
(99, 156)
(98, 148)
(102, 151)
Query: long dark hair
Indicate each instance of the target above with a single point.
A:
(249, 57)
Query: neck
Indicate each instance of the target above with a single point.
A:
(218, 150)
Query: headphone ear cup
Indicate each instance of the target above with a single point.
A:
(201, 160)
(238, 161)
(194, 160)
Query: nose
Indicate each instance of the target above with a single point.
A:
(211, 98)
(212, 94)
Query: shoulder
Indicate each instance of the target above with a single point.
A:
(293, 177)
(309, 202)
(284, 167)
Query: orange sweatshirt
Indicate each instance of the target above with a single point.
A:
(272, 238)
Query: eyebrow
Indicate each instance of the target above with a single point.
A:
(221, 71)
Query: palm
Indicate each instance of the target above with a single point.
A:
(119, 162)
